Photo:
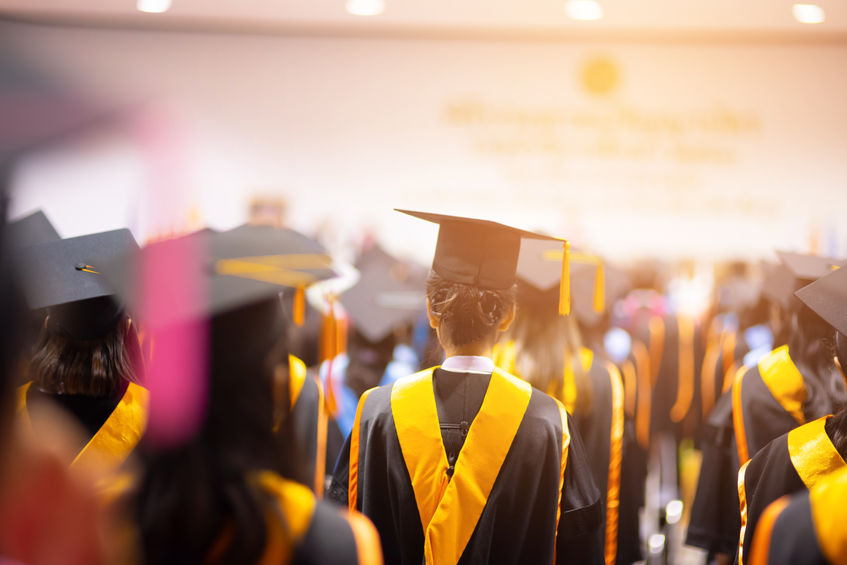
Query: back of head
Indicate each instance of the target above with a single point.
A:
(97, 363)
(467, 314)
(192, 492)
(812, 348)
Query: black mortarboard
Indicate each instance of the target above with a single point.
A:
(794, 271)
(31, 230)
(384, 298)
(483, 253)
(807, 268)
(276, 255)
(65, 276)
(227, 270)
(584, 289)
(777, 283)
(539, 267)
(827, 296)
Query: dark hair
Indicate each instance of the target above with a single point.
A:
(812, 348)
(543, 341)
(62, 364)
(836, 429)
(192, 494)
(466, 313)
(367, 360)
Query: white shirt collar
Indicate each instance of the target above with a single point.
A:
(468, 364)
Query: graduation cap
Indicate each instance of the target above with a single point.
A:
(65, 276)
(586, 289)
(31, 230)
(485, 254)
(793, 271)
(827, 297)
(384, 298)
(210, 263)
(278, 256)
(539, 267)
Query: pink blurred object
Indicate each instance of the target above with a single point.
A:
(176, 375)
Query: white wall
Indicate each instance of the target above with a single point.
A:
(712, 150)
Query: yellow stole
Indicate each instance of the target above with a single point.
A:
(785, 382)
(450, 509)
(812, 452)
(297, 375)
(118, 435)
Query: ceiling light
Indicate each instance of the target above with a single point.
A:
(584, 10)
(808, 13)
(153, 6)
(365, 7)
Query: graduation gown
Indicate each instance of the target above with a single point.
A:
(671, 343)
(602, 431)
(113, 428)
(767, 401)
(310, 524)
(805, 529)
(470, 468)
(795, 461)
(715, 516)
(309, 418)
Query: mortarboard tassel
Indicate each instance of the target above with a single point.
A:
(300, 305)
(565, 283)
(600, 289)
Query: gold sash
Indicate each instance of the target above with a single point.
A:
(450, 509)
(118, 435)
(812, 452)
(615, 456)
(785, 382)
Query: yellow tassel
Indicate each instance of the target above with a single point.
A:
(565, 284)
(300, 305)
(600, 289)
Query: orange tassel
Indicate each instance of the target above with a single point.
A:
(600, 289)
(300, 305)
(565, 284)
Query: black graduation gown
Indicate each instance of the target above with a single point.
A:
(791, 463)
(602, 431)
(805, 529)
(675, 357)
(309, 421)
(767, 402)
(112, 426)
(715, 518)
(518, 521)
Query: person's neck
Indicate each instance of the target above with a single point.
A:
(472, 349)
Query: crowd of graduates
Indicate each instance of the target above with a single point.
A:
(228, 397)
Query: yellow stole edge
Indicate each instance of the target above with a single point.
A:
(642, 409)
(738, 417)
(296, 377)
(785, 382)
(828, 513)
(353, 480)
(685, 369)
(762, 538)
(742, 503)
(122, 430)
(812, 452)
(615, 456)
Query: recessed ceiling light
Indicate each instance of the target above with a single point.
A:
(365, 7)
(153, 6)
(808, 13)
(584, 10)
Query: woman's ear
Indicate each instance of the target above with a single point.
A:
(508, 319)
(433, 319)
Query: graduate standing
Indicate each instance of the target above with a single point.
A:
(225, 494)
(87, 359)
(804, 456)
(465, 463)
